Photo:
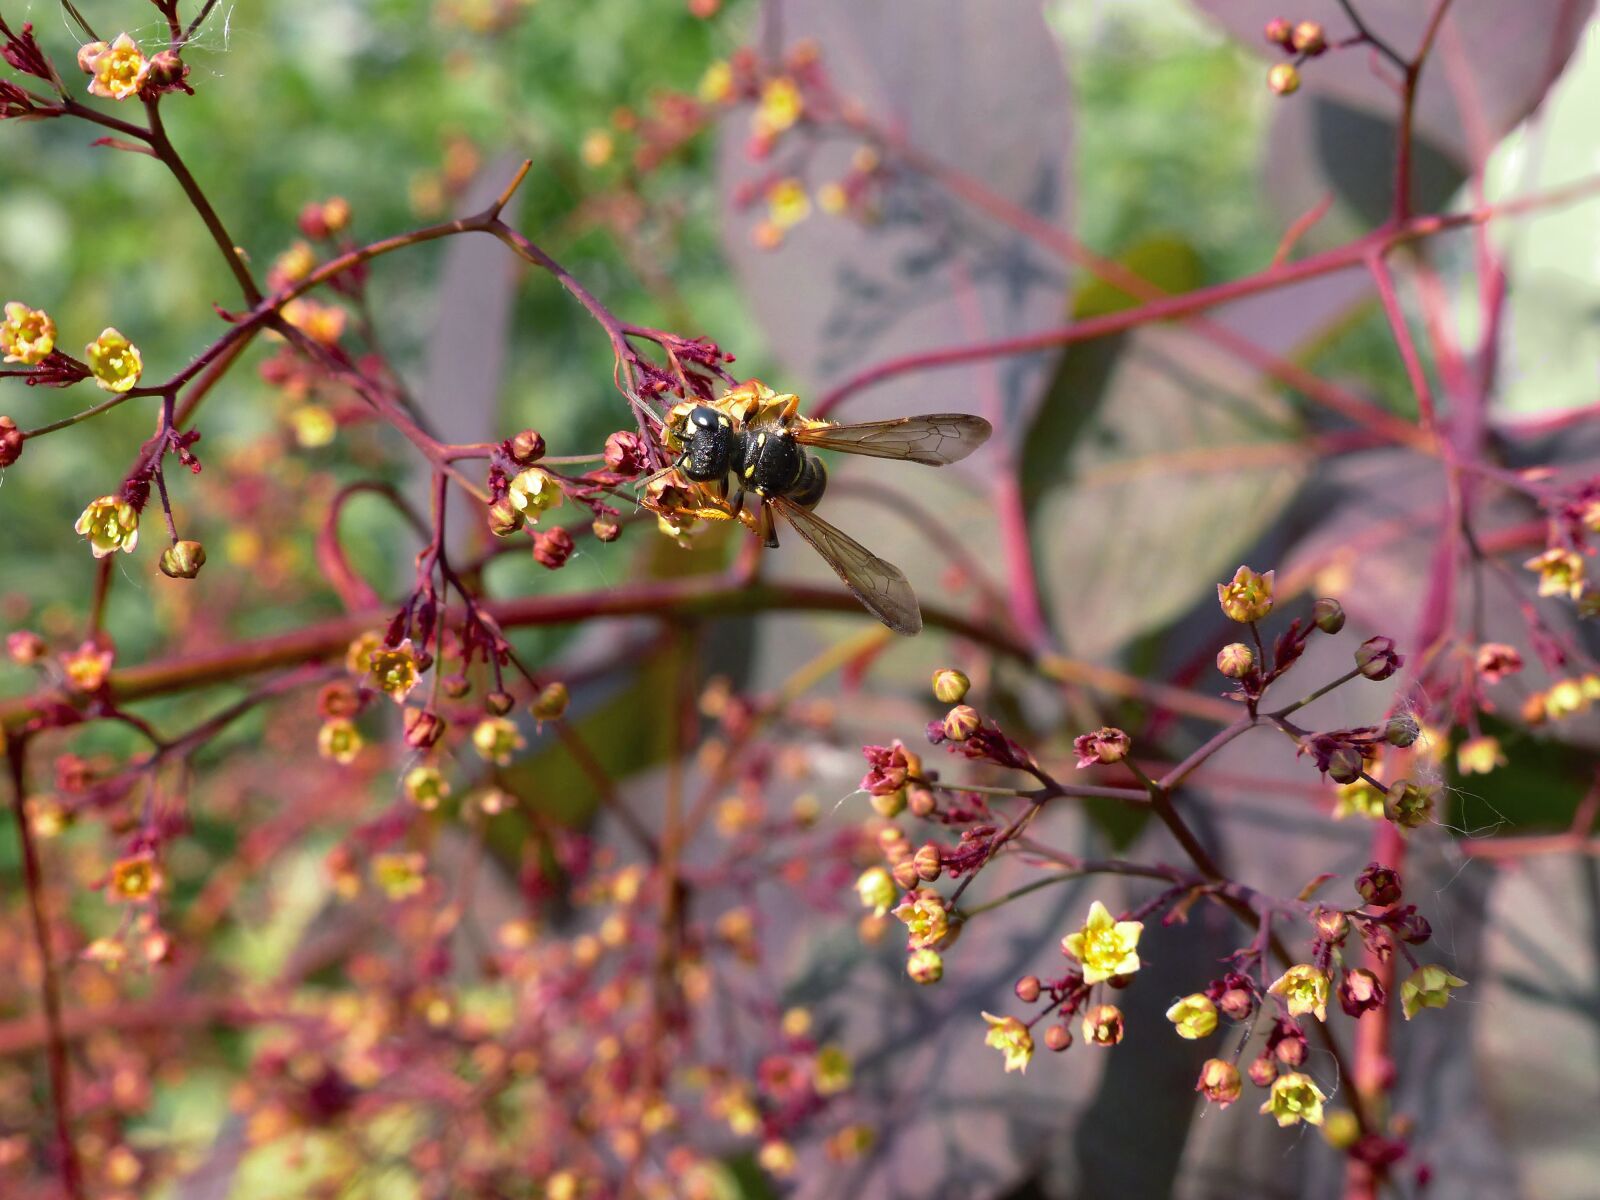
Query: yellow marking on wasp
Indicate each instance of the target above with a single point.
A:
(761, 440)
(723, 421)
(750, 470)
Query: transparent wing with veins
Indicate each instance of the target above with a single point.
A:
(932, 440)
(877, 584)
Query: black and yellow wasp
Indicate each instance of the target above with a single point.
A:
(758, 438)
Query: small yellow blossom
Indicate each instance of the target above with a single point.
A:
(1304, 989)
(1105, 946)
(777, 1157)
(787, 203)
(313, 426)
(877, 890)
(358, 655)
(597, 148)
(1427, 987)
(833, 199)
(1342, 1130)
(1011, 1037)
(925, 966)
(27, 335)
(322, 323)
(1479, 756)
(1219, 1081)
(295, 263)
(401, 876)
(339, 740)
(1565, 698)
(497, 740)
(1409, 804)
(926, 918)
(119, 70)
(716, 85)
(831, 1070)
(110, 524)
(426, 786)
(532, 492)
(1358, 799)
(394, 670)
(1247, 597)
(1294, 1098)
(1194, 1016)
(1560, 572)
(114, 360)
(133, 879)
(87, 667)
(780, 107)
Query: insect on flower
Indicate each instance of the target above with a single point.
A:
(759, 438)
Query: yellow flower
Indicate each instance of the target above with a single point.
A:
(925, 966)
(1104, 946)
(716, 85)
(831, 1070)
(1479, 756)
(597, 149)
(119, 70)
(876, 889)
(1305, 990)
(833, 199)
(1194, 1016)
(780, 107)
(1103, 1025)
(926, 919)
(532, 492)
(1560, 572)
(777, 1157)
(1427, 987)
(313, 426)
(358, 655)
(394, 670)
(1294, 1098)
(134, 879)
(496, 739)
(1358, 799)
(787, 203)
(1219, 1081)
(114, 360)
(425, 786)
(1565, 698)
(399, 875)
(339, 740)
(110, 524)
(322, 323)
(1011, 1037)
(295, 263)
(27, 335)
(1247, 597)
(87, 667)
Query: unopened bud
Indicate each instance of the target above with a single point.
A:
(552, 548)
(1379, 885)
(1236, 1003)
(527, 447)
(625, 453)
(1219, 1082)
(961, 722)
(1279, 32)
(1057, 1038)
(606, 529)
(905, 874)
(950, 686)
(889, 805)
(1332, 926)
(455, 686)
(1412, 927)
(1309, 39)
(925, 966)
(551, 702)
(167, 69)
(422, 728)
(1345, 764)
(336, 214)
(1341, 1129)
(1283, 79)
(1328, 615)
(928, 862)
(1376, 658)
(499, 703)
(921, 801)
(183, 561)
(1401, 731)
(504, 518)
(1236, 660)
(1028, 989)
(1262, 1071)
(25, 647)
(11, 440)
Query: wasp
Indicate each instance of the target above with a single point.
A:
(757, 438)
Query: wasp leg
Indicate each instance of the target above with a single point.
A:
(769, 527)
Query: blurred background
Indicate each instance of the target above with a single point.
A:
(1138, 470)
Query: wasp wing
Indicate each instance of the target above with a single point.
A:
(879, 585)
(932, 440)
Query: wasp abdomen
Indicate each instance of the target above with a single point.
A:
(770, 464)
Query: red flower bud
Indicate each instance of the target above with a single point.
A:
(552, 548)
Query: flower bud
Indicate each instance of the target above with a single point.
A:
(336, 214)
(1378, 885)
(1328, 615)
(422, 728)
(1107, 745)
(499, 703)
(25, 647)
(167, 69)
(1103, 1025)
(1193, 1017)
(1028, 989)
(921, 801)
(925, 966)
(1332, 925)
(905, 874)
(1290, 1049)
(1236, 660)
(1376, 659)
(606, 529)
(1345, 764)
(552, 548)
(527, 447)
(1279, 32)
(11, 439)
(928, 862)
(950, 685)
(183, 561)
(876, 890)
(455, 686)
(1341, 1129)
(1219, 1082)
(890, 805)
(1401, 730)
(1237, 1003)
(1411, 926)
(1409, 805)
(504, 519)
(1360, 992)
(1247, 596)
(1309, 39)
(961, 722)
(1262, 1071)
(1057, 1038)
(625, 454)
(1283, 79)
(551, 702)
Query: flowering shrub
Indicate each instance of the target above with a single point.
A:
(517, 872)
